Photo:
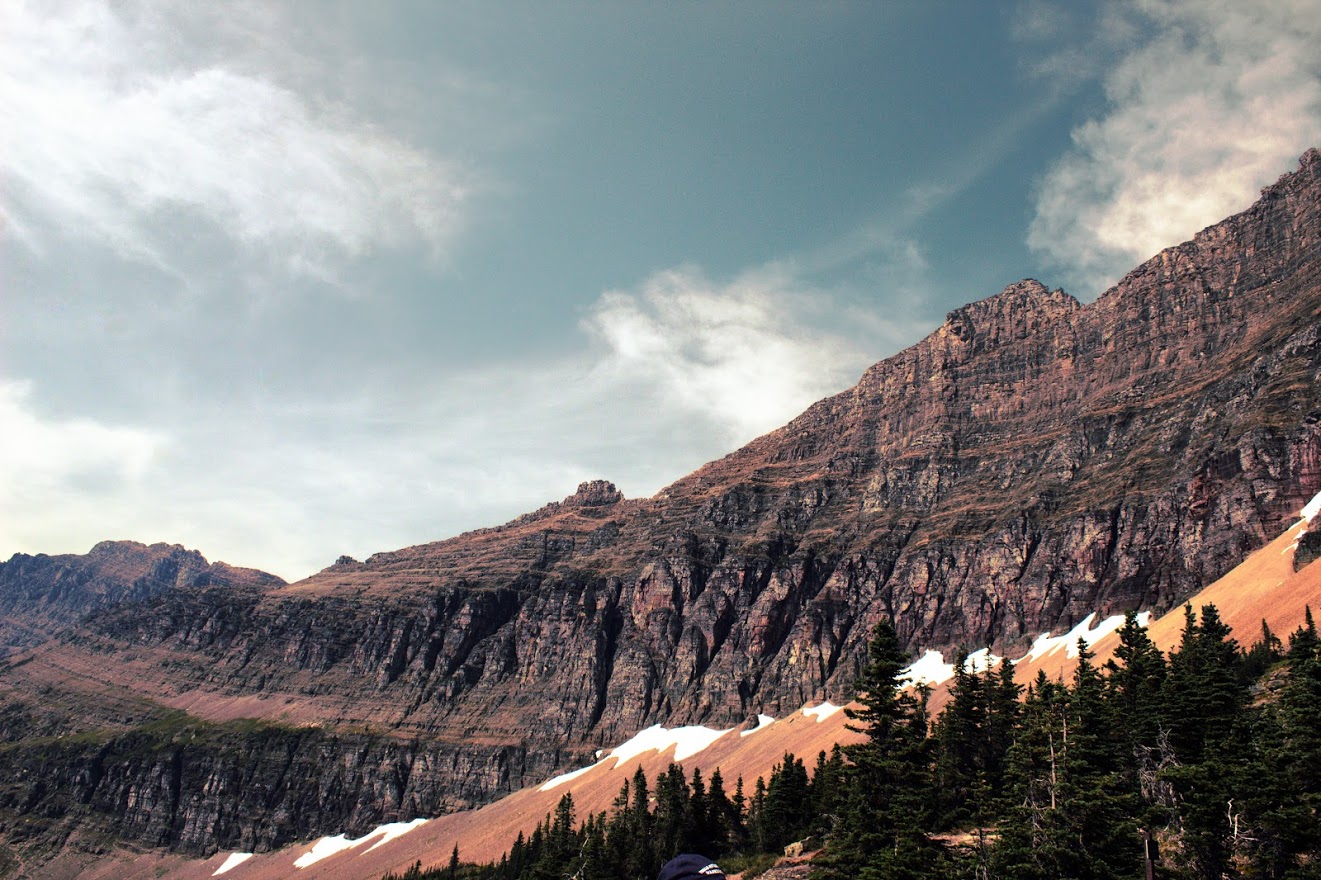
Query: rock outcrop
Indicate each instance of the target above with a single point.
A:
(1032, 461)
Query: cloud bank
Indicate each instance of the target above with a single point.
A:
(1217, 102)
(667, 375)
(113, 131)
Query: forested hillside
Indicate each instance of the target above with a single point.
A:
(1208, 761)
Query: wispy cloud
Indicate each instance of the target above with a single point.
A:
(115, 131)
(744, 354)
(1215, 103)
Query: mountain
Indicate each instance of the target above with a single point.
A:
(44, 595)
(1033, 461)
(1275, 583)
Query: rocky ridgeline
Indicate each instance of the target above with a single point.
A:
(1032, 461)
(43, 595)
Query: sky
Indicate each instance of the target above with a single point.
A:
(281, 281)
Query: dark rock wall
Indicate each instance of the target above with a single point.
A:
(247, 786)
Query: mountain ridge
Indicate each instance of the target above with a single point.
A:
(1031, 461)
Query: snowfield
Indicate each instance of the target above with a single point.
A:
(328, 846)
(234, 860)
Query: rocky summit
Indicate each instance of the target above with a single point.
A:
(1032, 461)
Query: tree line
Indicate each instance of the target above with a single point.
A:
(1201, 765)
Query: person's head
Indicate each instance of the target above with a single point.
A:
(690, 866)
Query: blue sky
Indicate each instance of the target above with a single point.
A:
(281, 281)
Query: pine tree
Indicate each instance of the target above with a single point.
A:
(959, 740)
(1264, 654)
(722, 820)
(672, 815)
(827, 789)
(883, 827)
(757, 827)
(697, 836)
(1206, 690)
(1034, 841)
(1135, 692)
(1304, 640)
(741, 823)
(973, 737)
(785, 813)
(595, 863)
(1283, 797)
(1207, 698)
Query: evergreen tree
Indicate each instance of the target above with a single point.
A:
(1303, 641)
(1135, 683)
(757, 826)
(1135, 692)
(788, 802)
(1034, 841)
(740, 824)
(1207, 699)
(1263, 655)
(1206, 690)
(672, 819)
(595, 863)
(828, 781)
(959, 737)
(973, 737)
(722, 819)
(1283, 797)
(882, 833)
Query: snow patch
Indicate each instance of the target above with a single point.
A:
(391, 831)
(1308, 513)
(324, 849)
(1312, 509)
(687, 741)
(1046, 644)
(981, 661)
(234, 860)
(822, 712)
(762, 721)
(930, 668)
(557, 781)
(328, 846)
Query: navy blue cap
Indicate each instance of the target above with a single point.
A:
(690, 866)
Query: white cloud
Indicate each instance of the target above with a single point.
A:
(113, 132)
(1218, 102)
(57, 472)
(744, 354)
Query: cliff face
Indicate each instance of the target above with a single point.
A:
(1032, 461)
(180, 783)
